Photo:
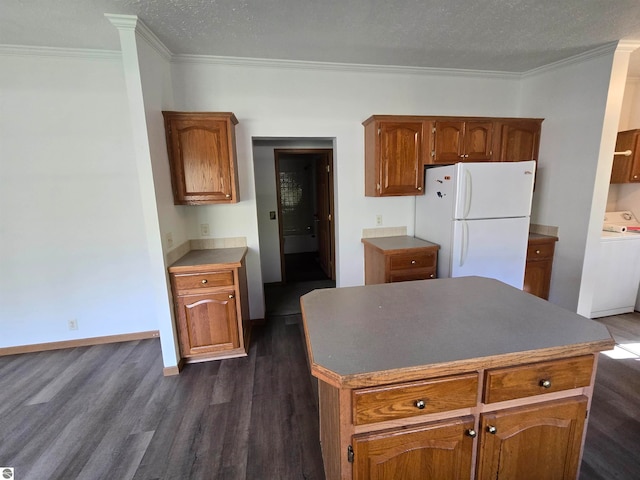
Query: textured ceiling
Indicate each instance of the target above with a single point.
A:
(495, 35)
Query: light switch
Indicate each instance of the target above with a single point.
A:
(204, 229)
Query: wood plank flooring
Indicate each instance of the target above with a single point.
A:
(106, 412)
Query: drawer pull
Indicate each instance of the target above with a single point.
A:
(420, 404)
(492, 430)
(545, 383)
(471, 433)
(204, 281)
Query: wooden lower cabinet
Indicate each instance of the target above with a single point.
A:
(436, 450)
(518, 422)
(399, 259)
(207, 323)
(211, 310)
(537, 272)
(532, 442)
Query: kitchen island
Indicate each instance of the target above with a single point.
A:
(449, 378)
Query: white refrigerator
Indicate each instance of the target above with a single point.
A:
(479, 215)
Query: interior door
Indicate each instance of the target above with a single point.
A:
(494, 248)
(324, 215)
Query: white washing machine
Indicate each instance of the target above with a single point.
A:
(619, 266)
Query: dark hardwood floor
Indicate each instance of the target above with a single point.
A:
(106, 412)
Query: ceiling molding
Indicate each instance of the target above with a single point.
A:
(581, 57)
(133, 23)
(342, 67)
(628, 45)
(24, 50)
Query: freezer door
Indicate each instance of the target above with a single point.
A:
(494, 190)
(495, 248)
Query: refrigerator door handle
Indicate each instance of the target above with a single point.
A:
(464, 244)
(467, 192)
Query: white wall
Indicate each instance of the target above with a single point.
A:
(72, 239)
(573, 176)
(272, 101)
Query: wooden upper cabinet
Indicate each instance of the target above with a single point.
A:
(462, 141)
(394, 156)
(519, 140)
(202, 157)
(626, 168)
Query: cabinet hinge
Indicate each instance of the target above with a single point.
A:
(328, 169)
(329, 217)
(433, 153)
(379, 130)
(433, 130)
(350, 454)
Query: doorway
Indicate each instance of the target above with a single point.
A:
(304, 188)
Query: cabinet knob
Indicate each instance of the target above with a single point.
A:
(635, 176)
(492, 430)
(413, 262)
(419, 189)
(537, 252)
(228, 195)
(231, 295)
(471, 433)
(204, 281)
(432, 276)
(420, 404)
(545, 383)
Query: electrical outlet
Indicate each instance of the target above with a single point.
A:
(73, 324)
(204, 229)
(169, 240)
(378, 220)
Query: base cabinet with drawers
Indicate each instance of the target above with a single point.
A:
(411, 432)
(539, 264)
(210, 302)
(509, 402)
(399, 259)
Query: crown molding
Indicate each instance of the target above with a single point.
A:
(628, 45)
(133, 24)
(579, 58)
(25, 50)
(331, 66)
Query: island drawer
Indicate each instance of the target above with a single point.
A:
(391, 402)
(203, 280)
(421, 259)
(535, 379)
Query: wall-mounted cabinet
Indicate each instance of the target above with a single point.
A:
(397, 147)
(202, 157)
(462, 141)
(518, 140)
(626, 166)
(395, 152)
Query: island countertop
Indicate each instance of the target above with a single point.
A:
(366, 336)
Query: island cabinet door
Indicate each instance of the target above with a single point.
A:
(207, 323)
(428, 451)
(532, 442)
